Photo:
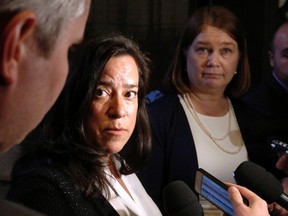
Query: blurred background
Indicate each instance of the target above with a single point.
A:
(157, 24)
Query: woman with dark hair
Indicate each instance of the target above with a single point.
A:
(86, 157)
(195, 119)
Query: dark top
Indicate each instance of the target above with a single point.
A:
(173, 151)
(268, 109)
(46, 189)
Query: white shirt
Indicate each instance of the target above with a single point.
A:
(140, 205)
(210, 157)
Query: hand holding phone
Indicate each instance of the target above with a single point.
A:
(214, 190)
(258, 206)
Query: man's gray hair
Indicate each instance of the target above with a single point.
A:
(52, 16)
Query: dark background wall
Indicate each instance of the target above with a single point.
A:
(157, 24)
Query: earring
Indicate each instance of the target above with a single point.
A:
(235, 72)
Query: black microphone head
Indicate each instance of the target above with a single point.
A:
(179, 200)
(258, 180)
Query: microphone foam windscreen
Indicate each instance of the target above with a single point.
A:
(179, 200)
(258, 180)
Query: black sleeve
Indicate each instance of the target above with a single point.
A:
(49, 191)
(41, 195)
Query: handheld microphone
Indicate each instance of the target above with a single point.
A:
(261, 182)
(179, 200)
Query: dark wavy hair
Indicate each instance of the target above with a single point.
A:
(65, 142)
(177, 80)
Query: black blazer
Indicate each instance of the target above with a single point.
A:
(173, 154)
(48, 190)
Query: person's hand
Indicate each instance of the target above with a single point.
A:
(257, 206)
(282, 163)
(277, 209)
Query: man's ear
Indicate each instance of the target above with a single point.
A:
(271, 58)
(15, 34)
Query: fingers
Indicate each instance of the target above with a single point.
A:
(282, 162)
(237, 201)
(279, 210)
(257, 206)
(235, 195)
(238, 192)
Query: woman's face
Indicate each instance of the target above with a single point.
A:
(112, 116)
(212, 60)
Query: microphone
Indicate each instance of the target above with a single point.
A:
(261, 182)
(179, 200)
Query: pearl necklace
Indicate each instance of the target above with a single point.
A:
(214, 139)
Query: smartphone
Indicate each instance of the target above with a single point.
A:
(214, 190)
(279, 146)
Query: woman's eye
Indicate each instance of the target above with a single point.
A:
(100, 93)
(226, 51)
(202, 51)
(131, 94)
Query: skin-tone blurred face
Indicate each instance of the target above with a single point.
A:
(113, 113)
(212, 60)
(279, 55)
(37, 83)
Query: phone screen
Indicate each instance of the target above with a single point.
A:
(213, 190)
(216, 194)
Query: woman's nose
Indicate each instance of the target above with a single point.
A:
(213, 59)
(118, 108)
